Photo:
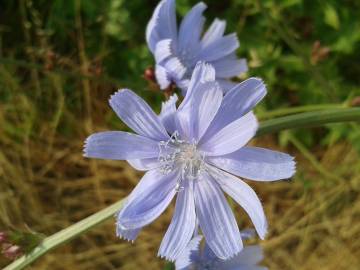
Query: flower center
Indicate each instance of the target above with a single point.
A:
(177, 153)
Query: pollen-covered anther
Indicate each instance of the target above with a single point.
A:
(179, 154)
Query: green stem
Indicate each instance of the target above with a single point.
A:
(309, 119)
(301, 120)
(298, 109)
(65, 235)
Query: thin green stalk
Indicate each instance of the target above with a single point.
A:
(301, 120)
(298, 109)
(65, 235)
(309, 119)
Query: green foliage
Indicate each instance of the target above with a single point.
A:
(26, 240)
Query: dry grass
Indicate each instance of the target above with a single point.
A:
(47, 185)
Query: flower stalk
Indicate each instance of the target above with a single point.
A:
(65, 235)
(309, 119)
(301, 120)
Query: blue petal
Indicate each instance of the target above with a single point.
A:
(190, 255)
(208, 254)
(257, 164)
(148, 200)
(182, 226)
(144, 164)
(134, 111)
(119, 145)
(183, 85)
(129, 235)
(191, 29)
(249, 256)
(206, 101)
(226, 85)
(247, 259)
(236, 103)
(247, 234)
(229, 66)
(216, 219)
(214, 32)
(162, 77)
(163, 50)
(230, 138)
(162, 24)
(245, 196)
(203, 73)
(167, 114)
(175, 68)
(221, 47)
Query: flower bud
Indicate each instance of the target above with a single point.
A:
(149, 74)
(11, 251)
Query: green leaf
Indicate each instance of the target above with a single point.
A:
(331, 17)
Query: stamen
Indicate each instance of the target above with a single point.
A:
(178, 154)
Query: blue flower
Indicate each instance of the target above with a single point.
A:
(192, 151)
(176, 51)
(193, 257)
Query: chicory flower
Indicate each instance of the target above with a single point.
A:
(194, 151)
(193, 257)
(177, 51)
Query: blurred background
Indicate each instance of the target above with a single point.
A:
(61, 60)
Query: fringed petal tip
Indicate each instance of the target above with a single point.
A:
(172, 100)
(87, 144)
(259, 80)
(292, 167)
(204, 72)
(125, 238)
(205, 65)
(234, 38)
(127, 235)
(175, 67)
(201, 6)
(164, 257)
(118, 94)
(84, 151)
(163, 50)
(162, 77)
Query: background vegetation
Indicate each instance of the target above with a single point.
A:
(61, 60)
